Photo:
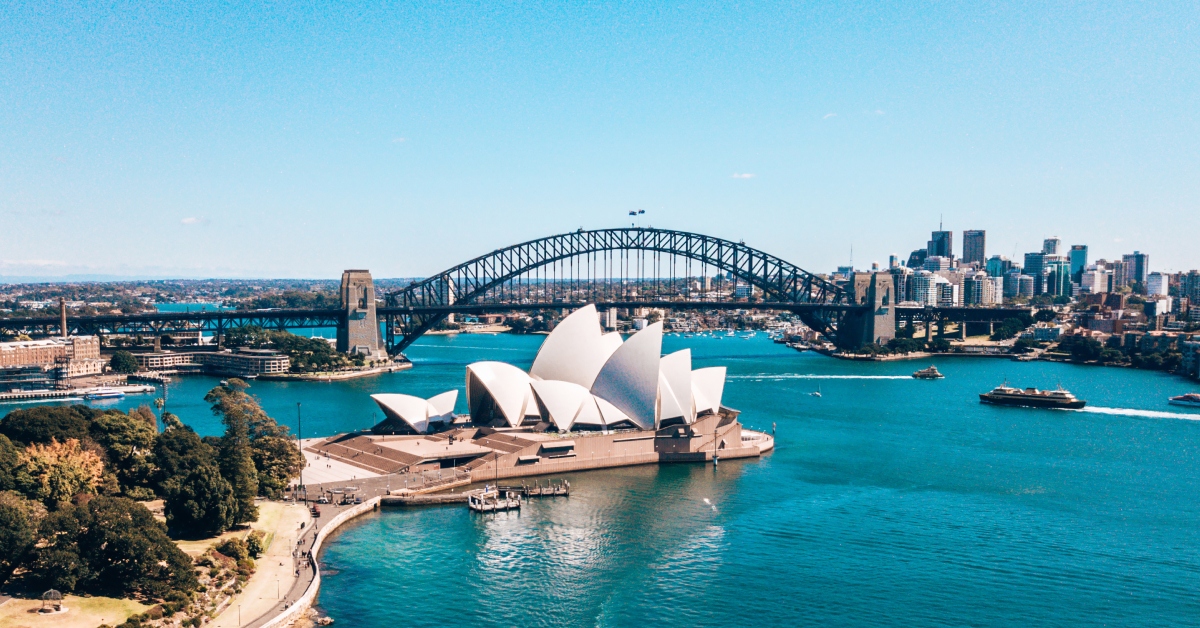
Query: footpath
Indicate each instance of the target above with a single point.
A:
(275, 575)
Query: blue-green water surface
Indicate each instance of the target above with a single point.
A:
(888, 501)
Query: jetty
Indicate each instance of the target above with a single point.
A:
(492, 499)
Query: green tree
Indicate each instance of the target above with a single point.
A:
(199, 503)
(939, 345)
(277, 462)
(230, 402)
(46, 423)
(16, 538)
(8, 464)
(110, 546)
(123, 362)
(128, 439)
(1045, 316)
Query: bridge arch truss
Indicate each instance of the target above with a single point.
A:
(588, 258)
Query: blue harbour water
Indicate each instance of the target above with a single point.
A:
(888, 501)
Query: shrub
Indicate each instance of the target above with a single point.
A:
(155, 613)
(255, 544)
(234, 548)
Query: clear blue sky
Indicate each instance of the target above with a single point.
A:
(298, 139)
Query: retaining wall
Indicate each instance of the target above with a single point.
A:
(295, 611)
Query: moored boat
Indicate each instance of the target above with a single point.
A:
(1190, 400)
(1006, 395)
(929, 373)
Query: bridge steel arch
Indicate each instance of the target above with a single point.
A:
(412, 311)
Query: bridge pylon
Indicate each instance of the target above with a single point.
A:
(358, 329)
(873, 324)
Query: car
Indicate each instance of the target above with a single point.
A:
(323, 500)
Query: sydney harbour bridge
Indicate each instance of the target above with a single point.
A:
(621, 268)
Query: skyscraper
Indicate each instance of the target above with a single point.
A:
(1079, 254)
(1034, 263)
(1051, 246)
(941, 244)
(998, 266)
(974, 244)
(1138, 268)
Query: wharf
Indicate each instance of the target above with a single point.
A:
(74, 393)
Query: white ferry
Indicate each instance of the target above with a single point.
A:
(1190, 400)
(104, 393)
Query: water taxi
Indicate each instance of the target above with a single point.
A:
(929, 373)
(1005, 395)
(1190, 400)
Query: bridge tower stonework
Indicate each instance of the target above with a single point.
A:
(876, 324)
(359, 329)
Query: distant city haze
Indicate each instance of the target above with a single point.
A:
(301, 140)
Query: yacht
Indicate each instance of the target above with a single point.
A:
(1006, 395)
(1190, 400)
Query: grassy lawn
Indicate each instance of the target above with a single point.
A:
(84, 612)
(268, 519)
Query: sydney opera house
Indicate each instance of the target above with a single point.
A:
(582, 380)
(590, 400)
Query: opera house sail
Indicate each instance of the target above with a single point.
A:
(581, 380)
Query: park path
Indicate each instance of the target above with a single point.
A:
(275, 575)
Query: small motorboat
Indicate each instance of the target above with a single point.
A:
(929, 373)
(817, 393)
(1190, 400)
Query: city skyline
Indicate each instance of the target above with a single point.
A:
(157, 142)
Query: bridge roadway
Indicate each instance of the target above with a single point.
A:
(219, 321)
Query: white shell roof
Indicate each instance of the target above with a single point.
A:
(582, 376)
(563, 401)
(415, 411)
(575, 351)
(708, 384)
(506, 384)
(675, 386)
(629, 379)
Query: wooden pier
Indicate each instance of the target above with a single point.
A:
(552, 488)
(492, 499)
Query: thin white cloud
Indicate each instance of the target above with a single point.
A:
(829, 115)
(1118, 239)
(32, 262)
(397, 140)
(746, 175)
(879, 112)
(190, 220)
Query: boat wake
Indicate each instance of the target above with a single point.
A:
(1150, 414)
(775, 378)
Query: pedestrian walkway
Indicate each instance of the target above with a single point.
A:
(275, 575)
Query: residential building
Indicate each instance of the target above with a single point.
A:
(978, 289)
(1095, 281)
(948, 295)
(974, 246)
(937, 263)
(1190, 286)
(1052, 246)
(941, 244)
(1156, 284)
(893, 261)
(244, 362)
(923, 287)
(1138, 267)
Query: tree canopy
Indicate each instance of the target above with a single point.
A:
(123, 362)
(57, 472)
(110, 546)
